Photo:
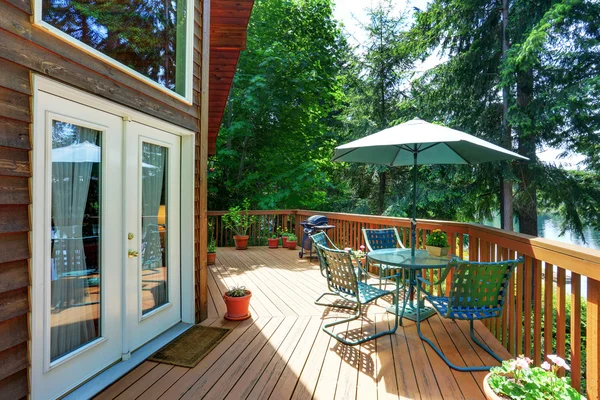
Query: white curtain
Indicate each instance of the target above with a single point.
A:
(72, 324)
(154, 159)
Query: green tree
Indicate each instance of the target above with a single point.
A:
(551, 75)
(276, 139)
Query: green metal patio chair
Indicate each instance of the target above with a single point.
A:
(477, 291)
(324, 240)
(321, 239)
(377, 239)
(343, 281)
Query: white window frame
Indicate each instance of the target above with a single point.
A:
(189, 52)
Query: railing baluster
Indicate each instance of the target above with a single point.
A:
(561, 311)
(519, 309)
(537, 312)
(528, 289)
(548, 307)
(593, 339)
(576, 331)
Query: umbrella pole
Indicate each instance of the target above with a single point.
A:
(413, 221)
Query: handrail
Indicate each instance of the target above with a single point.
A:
(540, 316)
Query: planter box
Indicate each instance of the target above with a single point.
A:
(438, 251)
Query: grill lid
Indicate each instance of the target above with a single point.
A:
(315, 220)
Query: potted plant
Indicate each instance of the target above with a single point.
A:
(237, 300)
(437, 243)
(211, 254)
(517, 379)
(284, 237)
(239, 220)
(273, 241)
(211, 248)
(292, 241)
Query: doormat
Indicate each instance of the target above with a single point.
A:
(188, 349)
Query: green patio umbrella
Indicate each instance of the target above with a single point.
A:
(418, 142)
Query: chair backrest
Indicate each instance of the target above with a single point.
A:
(387, 238)
(341, 277)
(480, 285)
(322, 239)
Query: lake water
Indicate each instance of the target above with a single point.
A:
(549, 228)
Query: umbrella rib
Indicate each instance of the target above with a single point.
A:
(458, 154)
(341, 155)
(430, 146)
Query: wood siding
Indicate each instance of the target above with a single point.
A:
(27, 49)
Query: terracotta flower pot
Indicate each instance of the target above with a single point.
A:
(212, 257)
(237, 307)
(438, 251)
(273, 243)
(241, 242)
(487, 390)
(292, 245)
(284, 241)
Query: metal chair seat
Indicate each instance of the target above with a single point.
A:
(466, 313)
(366, 293)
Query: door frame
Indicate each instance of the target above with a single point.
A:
(38, 191)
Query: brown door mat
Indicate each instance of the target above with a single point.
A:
(192, 346)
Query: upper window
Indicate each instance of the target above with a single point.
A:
(148, 36)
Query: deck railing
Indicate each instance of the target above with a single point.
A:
(546, 311)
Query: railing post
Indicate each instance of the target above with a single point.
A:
(593, 339)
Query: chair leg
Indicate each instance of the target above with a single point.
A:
(361, 340)
(483, 346)
(331, 304)
(443, 357)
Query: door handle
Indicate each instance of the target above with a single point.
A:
(132, 253)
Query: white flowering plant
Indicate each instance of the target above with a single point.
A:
(518, 379)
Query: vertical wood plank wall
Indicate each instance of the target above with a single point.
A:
(26, 49)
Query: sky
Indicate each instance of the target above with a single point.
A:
(352, 13)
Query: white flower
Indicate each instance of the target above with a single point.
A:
(545, 365)
(522, 363)
(559, 361)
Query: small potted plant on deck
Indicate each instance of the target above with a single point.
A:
(211, 254)
(211, 248)
(239, 220)
(517, 379)
(237, 300)
(292, 241)
(284, 237)
(437, 243)
(273, 241)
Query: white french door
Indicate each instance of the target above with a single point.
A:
(152, 196)
(77, 253)
(106, 265)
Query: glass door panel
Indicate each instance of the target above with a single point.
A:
(75, 273)
(154, 227)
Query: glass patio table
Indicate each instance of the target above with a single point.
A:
(402, 258)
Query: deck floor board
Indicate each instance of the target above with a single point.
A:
(282, 353)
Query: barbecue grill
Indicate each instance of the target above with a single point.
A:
(312, 225)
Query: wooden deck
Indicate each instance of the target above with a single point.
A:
(282, 353)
